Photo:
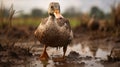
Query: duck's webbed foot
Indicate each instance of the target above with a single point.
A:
(61, 59)
(44, 55)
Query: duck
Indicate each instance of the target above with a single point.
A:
(54, 31)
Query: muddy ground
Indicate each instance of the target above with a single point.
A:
(19, 48)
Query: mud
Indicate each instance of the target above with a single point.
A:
(84, 54)
(86, 50)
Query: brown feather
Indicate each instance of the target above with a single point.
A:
(52, 36)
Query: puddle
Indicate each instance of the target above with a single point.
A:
(102, 54)
(90, 55)
(96, 53)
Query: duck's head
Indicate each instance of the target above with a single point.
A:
(54, 10)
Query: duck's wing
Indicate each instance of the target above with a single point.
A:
(64, 22)
(44, 21)
(37, 31)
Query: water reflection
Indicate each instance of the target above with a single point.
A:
(102, 54)
(85, 49)
(93, 63)
(45, 63)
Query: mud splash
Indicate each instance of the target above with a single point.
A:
(90, 55)
(83, 54)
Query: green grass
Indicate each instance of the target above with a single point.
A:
(36, 21)
(28, 22)
(74, 23)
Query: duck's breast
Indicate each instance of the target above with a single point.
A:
(53, 34)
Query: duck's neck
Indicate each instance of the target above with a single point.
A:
(51, 17)
(51, 23)
(51, 20)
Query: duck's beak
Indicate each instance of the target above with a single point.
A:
(57, 14)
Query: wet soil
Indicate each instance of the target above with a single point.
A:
(88, 49)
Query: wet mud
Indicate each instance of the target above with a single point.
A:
(82, 54)
(86, 50)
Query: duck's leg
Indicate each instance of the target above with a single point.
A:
(44, 55)
(61, 59)
(64, 51)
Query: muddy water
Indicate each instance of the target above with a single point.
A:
(83, 54)
(91, 54)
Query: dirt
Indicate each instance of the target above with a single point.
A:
(19, 48)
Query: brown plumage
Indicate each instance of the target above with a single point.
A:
(54, 31)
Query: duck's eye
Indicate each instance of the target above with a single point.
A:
(52, 7)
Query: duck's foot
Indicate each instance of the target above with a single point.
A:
(44, 56)
(60, 59)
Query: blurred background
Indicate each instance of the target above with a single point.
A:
(95, 24)
(78, 11)
(83, 15)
